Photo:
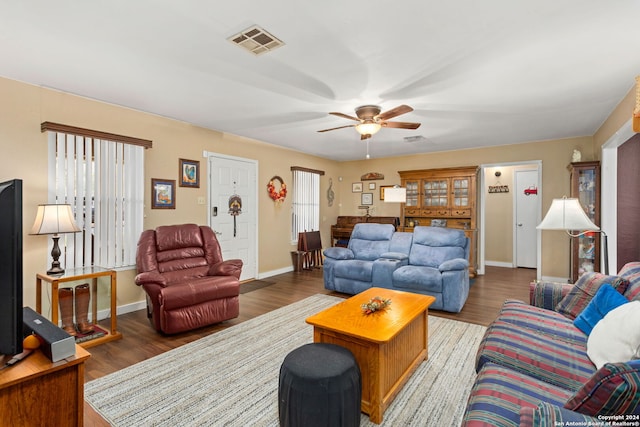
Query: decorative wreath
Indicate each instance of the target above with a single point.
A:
(275, 194)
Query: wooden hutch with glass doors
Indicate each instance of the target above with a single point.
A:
(445, 197)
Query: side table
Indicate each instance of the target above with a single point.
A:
(78, 274)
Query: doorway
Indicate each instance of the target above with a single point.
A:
(501, 240)
(233, 209)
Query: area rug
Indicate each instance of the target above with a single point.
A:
(230, 378)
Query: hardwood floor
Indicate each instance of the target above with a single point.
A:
(140, 341)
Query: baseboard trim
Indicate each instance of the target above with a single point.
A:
(123, 309)
(499, 264)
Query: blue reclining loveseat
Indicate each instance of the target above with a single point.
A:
(430, 260)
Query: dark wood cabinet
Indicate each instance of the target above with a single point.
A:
(585, 186)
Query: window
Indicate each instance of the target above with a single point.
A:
(102, 177)
(306, 201)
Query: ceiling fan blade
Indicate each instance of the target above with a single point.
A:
(339, 127)
(345, 116)
(394, 112)
(400, 125)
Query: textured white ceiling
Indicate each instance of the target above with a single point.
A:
(477, 73)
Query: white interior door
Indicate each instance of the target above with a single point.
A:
(526, 216)
(237, 234)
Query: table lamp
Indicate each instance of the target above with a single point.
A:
(567, 214)
(54, 219)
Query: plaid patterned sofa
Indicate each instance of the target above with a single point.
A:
(533, 367)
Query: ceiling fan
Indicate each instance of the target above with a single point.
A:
(371, 120)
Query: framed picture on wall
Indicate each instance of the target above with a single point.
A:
(372, 186)
(189, 173)
(366, 199)
(163, 193)
(356, 187)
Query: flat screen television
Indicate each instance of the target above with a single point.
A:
(11, 267)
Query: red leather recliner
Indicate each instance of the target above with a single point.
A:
(188, 285)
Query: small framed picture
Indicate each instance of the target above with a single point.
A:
(366, 199)
(189, 173)
(356, 187)
(382, 188)
(163, 193)
(372, 186)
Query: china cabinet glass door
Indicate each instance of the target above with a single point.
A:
(585, 186)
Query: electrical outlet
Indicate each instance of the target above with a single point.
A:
(201, 200)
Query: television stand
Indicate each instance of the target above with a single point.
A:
(39, 392)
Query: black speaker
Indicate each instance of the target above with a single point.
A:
(55, 343)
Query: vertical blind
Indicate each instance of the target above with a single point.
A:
(306, 201)
(103, 181)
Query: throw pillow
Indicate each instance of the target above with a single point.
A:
(616, 338)
(613, 389)
(584, 290)
(631, 272)
(606, 299)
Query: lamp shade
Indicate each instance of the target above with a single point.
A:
(54, 219)
(566, 214)
(368, 128)
(395, 194)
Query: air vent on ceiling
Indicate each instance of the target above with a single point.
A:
(415, 139)
(256, 40)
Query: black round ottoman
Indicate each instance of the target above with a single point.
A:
(319, 385)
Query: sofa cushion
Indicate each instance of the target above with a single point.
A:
(539, 355)
(614, 389)
(606, 299)
(616, 338)
(417, 277)
(543, 321)
(197, 291)
(433, 245)
(547, 414)
(178, 236)
(584, 290)
(354, 269)
(631, 272)
(499, 393)
(547, 294)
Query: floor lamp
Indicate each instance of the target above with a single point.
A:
(567, 214)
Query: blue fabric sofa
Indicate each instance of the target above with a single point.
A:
(430, 260)
(535, 366)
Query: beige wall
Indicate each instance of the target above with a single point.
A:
(555, 155)
(619, 116)
(24, 107)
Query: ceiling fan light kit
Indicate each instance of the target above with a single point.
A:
(368, 128)
(371, 120)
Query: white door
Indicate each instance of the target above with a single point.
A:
(234, 177)
(526, 216)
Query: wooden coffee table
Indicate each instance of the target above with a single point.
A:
(388, 345)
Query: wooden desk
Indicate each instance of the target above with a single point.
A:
(388, 345)
(74, 275)
(37, 392)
